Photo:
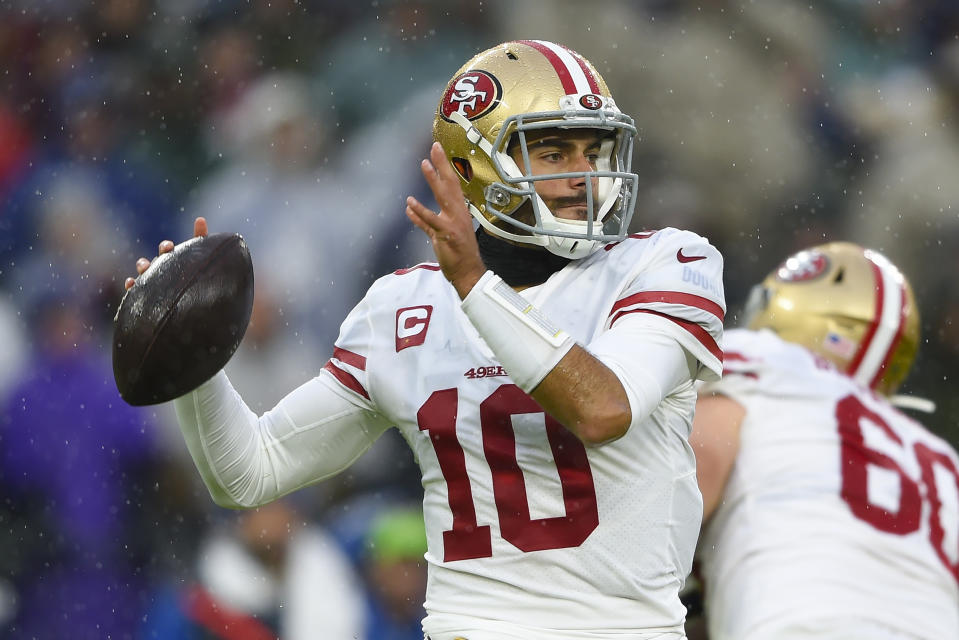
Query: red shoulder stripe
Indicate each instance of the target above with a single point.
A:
(346, 379)
(669, 297)
(748, 374)
(697, 331)
(350, 358)
(425, 265)
(642, 235)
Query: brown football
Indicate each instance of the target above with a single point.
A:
(183, 319)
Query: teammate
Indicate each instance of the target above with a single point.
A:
(830, 514)
(542, 371)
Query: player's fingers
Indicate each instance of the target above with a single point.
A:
(429, 216)
(423, 217)
(444, 182)
(165, 247)
(439, 182)
(418, 221)
(200, 227)
(129, 282)
(429, 172)
(446, 196)
(442, 165)
(142, 265)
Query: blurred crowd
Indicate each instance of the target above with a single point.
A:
(765, 126)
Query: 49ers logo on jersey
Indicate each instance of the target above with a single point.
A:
(411, 326)
(472, 94)
(805, 265)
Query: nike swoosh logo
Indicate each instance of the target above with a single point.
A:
(682, 258)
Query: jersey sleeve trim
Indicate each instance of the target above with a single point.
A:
(348, 357)
(733, 372)
(343, 376)
(667, 297)
(736, 363)
(429, 266)
(346, 379)
(693, 328)
(642, 235)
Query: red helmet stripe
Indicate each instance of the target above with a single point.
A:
(871, 331)
(590, 76)
(570, 68)
(886, 328)
(895, 340)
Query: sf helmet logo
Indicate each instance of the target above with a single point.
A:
(805, 265)
(472, 94)
(591, 101)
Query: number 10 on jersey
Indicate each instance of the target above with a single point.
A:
(467, 539)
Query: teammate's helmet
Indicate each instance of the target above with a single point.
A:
(847, 304)
(494, 101)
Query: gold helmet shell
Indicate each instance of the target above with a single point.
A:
(849, 305)
(495, 100)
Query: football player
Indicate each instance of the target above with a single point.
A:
(829, 513)
(542, 370)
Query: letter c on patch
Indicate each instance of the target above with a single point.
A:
(411, 326)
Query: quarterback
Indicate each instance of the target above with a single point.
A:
(542, 371)
(830, 513)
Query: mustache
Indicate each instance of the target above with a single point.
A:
(569, 201)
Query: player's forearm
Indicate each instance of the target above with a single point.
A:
(569, 383)
(219, 434)
(586, 397)
(246, 461)
(715, 441)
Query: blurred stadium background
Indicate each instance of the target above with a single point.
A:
(765, 125)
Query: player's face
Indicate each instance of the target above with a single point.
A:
(562, 151)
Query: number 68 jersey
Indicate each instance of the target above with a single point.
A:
(530, 533)
(839, 508)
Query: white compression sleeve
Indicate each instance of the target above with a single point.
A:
(245, 461)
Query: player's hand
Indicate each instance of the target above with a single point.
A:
(199, 229)
(450, 230)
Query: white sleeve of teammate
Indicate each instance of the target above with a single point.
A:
(745, 369)
(245, 461)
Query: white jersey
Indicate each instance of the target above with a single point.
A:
(526, 526)
(839, 508)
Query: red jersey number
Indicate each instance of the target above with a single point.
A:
(466, 539)
(856, 458)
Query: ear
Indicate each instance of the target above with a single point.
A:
(463, 167)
